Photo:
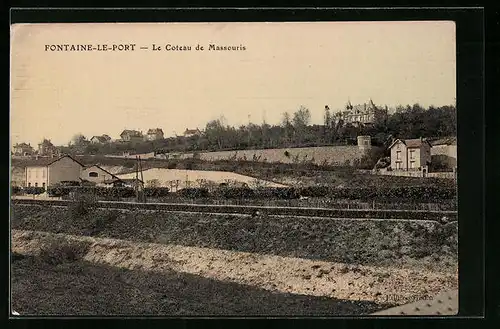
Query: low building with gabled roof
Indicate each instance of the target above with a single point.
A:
(49, 171)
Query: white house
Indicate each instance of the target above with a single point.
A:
(47, 172)
(96, 174)
(410, 154)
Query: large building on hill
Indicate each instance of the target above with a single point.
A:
(361, 114)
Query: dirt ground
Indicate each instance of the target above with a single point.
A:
(361, 286)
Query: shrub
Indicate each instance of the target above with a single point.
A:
(16, 190)
(194, 192)
(34, 190)
(83, 205)
(63, 251)
(156, 191)
(234, 192)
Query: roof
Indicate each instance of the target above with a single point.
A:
(360, 107)
(131, 133)
(155, 131)
(417, 142)
(22, 145)
(44, 162)
(192, 131)
(101, 139)
(94, 165)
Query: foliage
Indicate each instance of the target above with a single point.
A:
(156, 191)
(193, 192)
(82, 206)
(33, 190)
(112, 192)
(294, 130)
(63, 251)
(16, 190)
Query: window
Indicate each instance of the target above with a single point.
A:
(43, 185)
(412, 164)
(398, 155)
(29, 184)
(36, 184)
(398, 165)
(93, 174)
(412, 154)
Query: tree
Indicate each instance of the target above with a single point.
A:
(78, 140)
(302, 117)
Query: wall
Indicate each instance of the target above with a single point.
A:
(442, 174)
(36, 175)
(417, 157)
(102, 175)
(394, 150)
(18, 176)
(416, 173)
(64, 170)
(332, 155)
(402, 173)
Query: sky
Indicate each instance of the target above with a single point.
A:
(57, 94)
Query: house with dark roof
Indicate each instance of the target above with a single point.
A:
(23, 149)
(131, 136)
(47, 148)
(410, 154)
(103, 139)
(192, 132)
(154, 134)
(46, 172)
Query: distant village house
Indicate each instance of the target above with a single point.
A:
(154, 134)
(103, 139)
(46, 148)
(192, 132)
(410, 154)
(131, 136)
(23, 149)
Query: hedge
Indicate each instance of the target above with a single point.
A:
(33, 190)
(115, 192)
(393, 194)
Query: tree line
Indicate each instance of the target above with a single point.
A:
(294, 130)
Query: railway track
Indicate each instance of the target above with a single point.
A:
(252, 210)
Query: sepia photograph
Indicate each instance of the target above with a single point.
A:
(240, 169)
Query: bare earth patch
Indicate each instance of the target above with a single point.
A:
(269, 272)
